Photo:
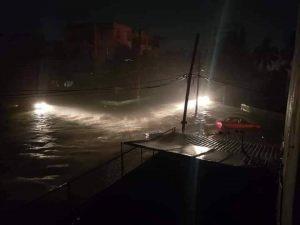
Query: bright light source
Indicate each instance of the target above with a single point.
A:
(204, 101)
(42, 107)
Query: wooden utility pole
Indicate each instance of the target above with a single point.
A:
(189, 79)
(290, 196)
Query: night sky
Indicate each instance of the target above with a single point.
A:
(177, 21)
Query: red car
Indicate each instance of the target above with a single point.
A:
(235, 123)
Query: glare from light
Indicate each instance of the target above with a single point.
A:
(42, 107)
(191, 105)
(110, 122)
(204, 101)
(200, 149)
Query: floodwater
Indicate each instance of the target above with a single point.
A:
(42, 148)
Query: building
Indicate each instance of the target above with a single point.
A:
(103, 42)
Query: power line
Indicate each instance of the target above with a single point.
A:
(116, 85)
(147, 85)
(36, 93)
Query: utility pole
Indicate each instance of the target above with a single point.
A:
(198, 83)
(291, 174)
(183, 122)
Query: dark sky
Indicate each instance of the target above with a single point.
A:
(178, 21)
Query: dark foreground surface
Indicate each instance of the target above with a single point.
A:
(174, 189)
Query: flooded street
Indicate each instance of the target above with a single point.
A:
(43, 147)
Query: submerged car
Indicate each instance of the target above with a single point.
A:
(235, 123)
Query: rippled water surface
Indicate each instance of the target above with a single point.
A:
(40, 149)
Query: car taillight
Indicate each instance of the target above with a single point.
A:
(219, 124)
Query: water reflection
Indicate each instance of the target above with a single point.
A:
(42, 129)
(55, 144)
(39, 155)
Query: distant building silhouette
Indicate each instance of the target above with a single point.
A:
(103, 42)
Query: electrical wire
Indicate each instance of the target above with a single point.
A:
(36, 93)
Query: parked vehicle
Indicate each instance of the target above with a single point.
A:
(235, 123)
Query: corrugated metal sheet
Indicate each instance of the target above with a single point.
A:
(218, 148)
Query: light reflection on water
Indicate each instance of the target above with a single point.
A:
(51, 147)
(106, 122)
(55, 145)
(39, 155)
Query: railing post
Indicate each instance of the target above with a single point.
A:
(122, 161)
